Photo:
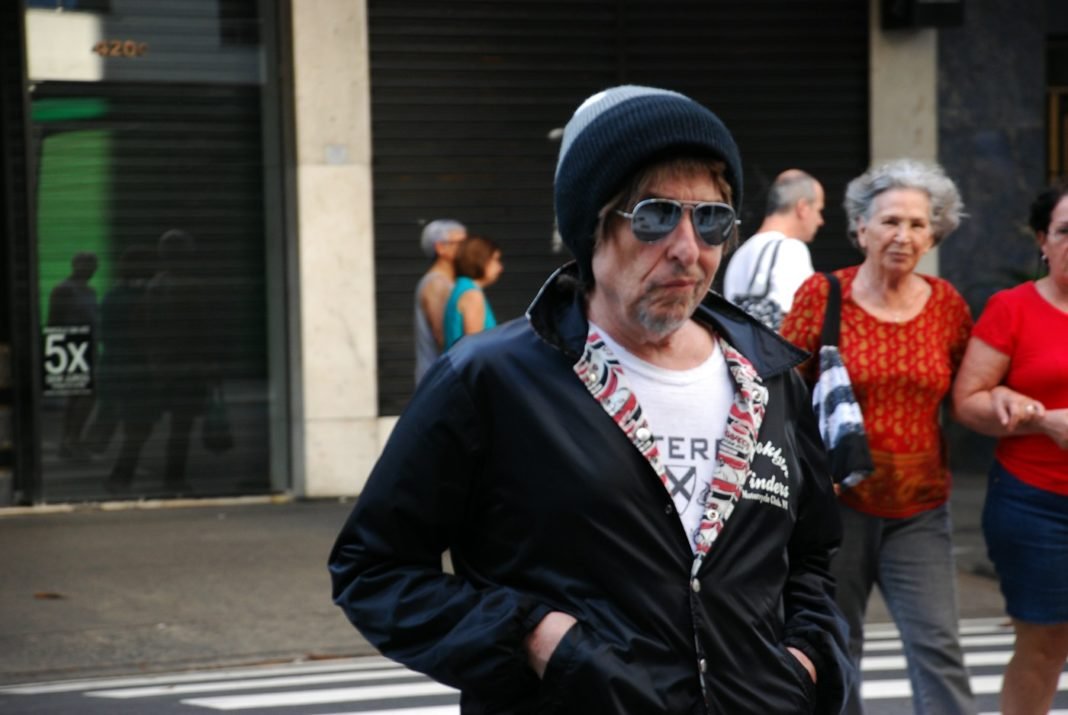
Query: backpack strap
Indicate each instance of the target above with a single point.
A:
(756, 269)
(832, 318)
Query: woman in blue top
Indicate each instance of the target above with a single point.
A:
(478, 265)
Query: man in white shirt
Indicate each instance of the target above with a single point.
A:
(793, 215)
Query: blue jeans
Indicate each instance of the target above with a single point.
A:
(911, 560)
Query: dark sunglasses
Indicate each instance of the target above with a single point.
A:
(653, 219)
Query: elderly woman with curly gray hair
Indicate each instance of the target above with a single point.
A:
(902, 339)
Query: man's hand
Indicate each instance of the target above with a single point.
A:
(541, 642)
(804, 660)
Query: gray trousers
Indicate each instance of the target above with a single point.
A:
(911, 560)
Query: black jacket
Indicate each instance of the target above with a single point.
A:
(504, 457)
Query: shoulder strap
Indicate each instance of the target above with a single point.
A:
(832, 318)
(771, 266)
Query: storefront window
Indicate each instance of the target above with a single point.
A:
(148, 125)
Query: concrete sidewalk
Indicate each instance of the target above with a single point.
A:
(99, 591)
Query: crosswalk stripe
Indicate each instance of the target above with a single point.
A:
(900, 688)
(996, 639)
(70, 686)
(252, 684)
(898, 662)
(431, 710)
(965, 641)
(320, 697)
(967, 626)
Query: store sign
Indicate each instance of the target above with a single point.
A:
(67, 360)
(120, 48)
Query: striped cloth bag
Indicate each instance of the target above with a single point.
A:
(840, 420)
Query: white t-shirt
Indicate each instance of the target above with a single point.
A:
(792, 266)
(687, 413)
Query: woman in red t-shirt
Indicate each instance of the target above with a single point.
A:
(902, 339)
(1013, 384)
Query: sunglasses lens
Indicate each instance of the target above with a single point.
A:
(714, 222)
(653, 219)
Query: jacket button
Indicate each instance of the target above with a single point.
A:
(703, 665)
(668, 509)
(695, 585)
(643, 434)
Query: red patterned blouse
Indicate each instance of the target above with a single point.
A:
(900, 373)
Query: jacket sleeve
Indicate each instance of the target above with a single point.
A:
(814, 625)
(386, 562)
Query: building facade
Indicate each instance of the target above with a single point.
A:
(211, 208)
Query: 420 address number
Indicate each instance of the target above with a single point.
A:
(120, 48)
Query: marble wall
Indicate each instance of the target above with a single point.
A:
(904, 99)
(992, 141)
(337, 393)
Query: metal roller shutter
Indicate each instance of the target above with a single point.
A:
(464, 95)
(15, 323)
(167, 137)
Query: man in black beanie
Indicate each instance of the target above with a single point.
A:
(630, 480)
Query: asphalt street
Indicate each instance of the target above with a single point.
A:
(376, 686)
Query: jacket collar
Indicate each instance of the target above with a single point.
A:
(558, 315)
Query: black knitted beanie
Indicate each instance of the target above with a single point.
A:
(616, 133)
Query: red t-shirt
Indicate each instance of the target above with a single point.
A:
(900, 374)
(1022, 324)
